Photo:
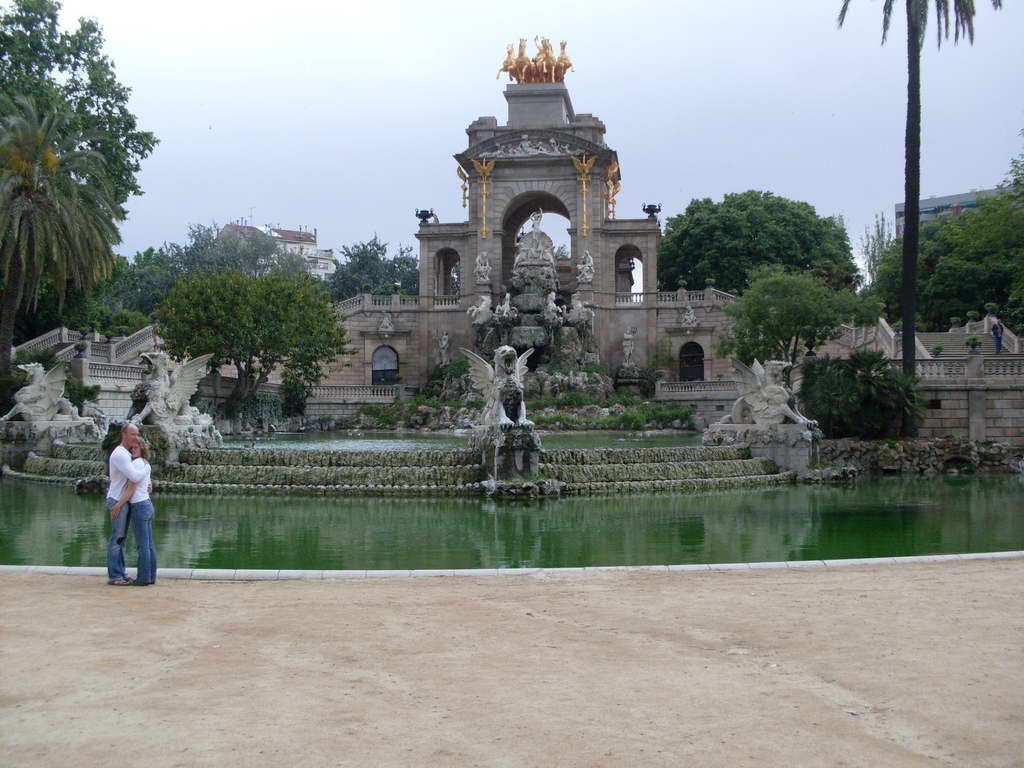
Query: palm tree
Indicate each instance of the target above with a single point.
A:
(962, 16)
(57, 215)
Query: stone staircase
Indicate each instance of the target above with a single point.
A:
(416, 473)
(631, 471)
(955, 344)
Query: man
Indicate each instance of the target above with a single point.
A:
(121, 474)
(997, 335)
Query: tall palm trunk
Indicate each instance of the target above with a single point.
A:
(9, 311)
(912, 188)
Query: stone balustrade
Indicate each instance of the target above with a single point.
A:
(695, 386)
(102, 373)
(626, 299)
(446, 301)
(126, 348)
(355, 393)
(997, 367)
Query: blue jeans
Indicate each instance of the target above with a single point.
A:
(142, 527)
(115, 544)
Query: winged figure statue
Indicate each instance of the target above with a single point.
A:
(168, 392)
(43, 397)
(764, 398)
(501, 386)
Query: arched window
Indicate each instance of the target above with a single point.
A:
(448, 278)
(629, 271)
(385, 366)
(691, 362)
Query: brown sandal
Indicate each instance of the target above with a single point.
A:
(125, 582)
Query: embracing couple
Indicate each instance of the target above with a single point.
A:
(129, 504)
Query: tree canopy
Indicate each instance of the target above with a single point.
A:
(68, 72)
(725, 241)
(57, 215)
(965, 263)
(254, 323)
(366, 268)
(783, 313)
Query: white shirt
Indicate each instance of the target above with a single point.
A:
(123, 471)
(142, 489)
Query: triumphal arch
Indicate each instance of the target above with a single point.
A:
(545, 158)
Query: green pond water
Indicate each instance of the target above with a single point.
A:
(48, 525)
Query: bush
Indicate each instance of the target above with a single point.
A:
(79, 394)
(294, 394)
(863, 396)
(260, 407)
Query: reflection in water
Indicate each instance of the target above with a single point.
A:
(886, 517)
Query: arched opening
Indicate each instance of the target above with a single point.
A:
(691, 362)
(447, 273)
(555, 223)
(385, 366)
(629, 272)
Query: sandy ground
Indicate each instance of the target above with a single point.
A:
(881, 666)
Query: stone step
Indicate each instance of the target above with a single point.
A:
(638, 487)
(577, 456)
(682, 470)
(68, 468)
(78, 451)
(283, 458)
(315, 476)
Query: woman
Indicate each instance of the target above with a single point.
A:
(141, 510)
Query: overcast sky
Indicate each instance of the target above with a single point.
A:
(345, 116)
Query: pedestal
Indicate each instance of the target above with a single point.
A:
(509, 452)
(794, 447)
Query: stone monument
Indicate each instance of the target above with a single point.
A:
(41, 414)
(766, 418)
(507, 440)
(162, 402)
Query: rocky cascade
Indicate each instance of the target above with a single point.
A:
(645, 470)
(420, 473)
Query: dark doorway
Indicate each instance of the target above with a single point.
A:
(385, 366)
(691, 362)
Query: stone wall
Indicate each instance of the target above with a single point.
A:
(922, 456)
(974, 411)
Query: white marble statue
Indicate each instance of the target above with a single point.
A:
(42, 399)
(585, 270)
(387, 325)
(580, 313)
(628, 345)
(764, 397)
(444, 347)
(168, 392)
(481, 313)
(501, 386)
(688, 318)
(505, 309)
(482, 271)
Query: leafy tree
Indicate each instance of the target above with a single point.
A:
(873, 244)
(57, 216)
(964, 263)
(725, 241)
(366, 268)
(783, 312)
(254, 323)
(68, 72)
(962, 16)
(863, 396)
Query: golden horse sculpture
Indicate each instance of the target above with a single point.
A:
(545, 67)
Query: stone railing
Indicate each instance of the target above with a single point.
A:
(938, 369)
(348, 306)
(1002, 367)
(625, 299)
(64, 355)
(355, 393)
(145, 338)
(116, 373)
(711, 296)
(446, 301)
(409, 301)
(689, 390)
(49, 339)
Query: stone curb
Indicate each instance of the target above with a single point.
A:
(246, 574)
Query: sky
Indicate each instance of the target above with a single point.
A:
(345, 116)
